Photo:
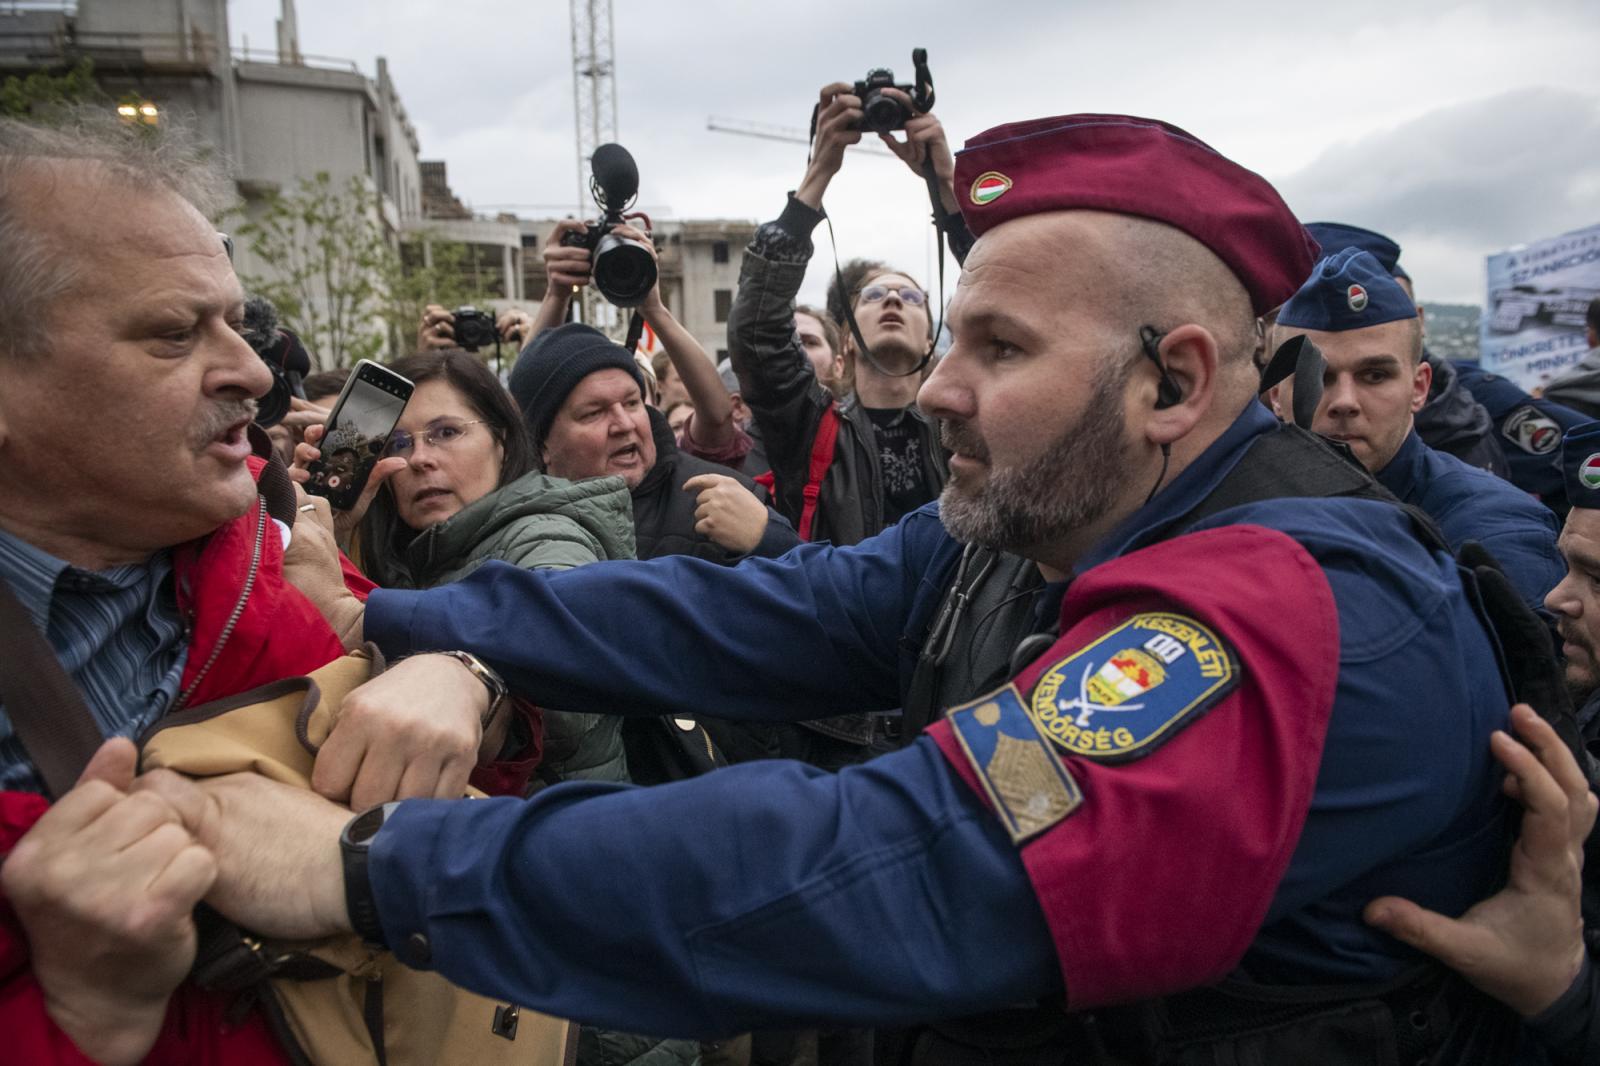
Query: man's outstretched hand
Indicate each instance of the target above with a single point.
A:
(1523, 945)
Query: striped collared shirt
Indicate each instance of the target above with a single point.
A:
(117, 633)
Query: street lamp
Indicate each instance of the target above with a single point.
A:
(142, 111)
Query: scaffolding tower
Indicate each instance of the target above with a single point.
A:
(594, 93)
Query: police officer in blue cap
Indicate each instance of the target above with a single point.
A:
(1453, 419)
(1370, 335)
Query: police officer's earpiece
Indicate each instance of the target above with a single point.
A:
(1168, 392)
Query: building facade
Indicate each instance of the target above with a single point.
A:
(280, 116)
(277, 117)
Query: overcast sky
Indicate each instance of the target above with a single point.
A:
(1459, 129)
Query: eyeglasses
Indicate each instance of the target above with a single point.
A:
(908, 295)
(440, 434)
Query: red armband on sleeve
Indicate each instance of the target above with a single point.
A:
(1156, 765)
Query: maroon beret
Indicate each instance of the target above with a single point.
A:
(1138, 166)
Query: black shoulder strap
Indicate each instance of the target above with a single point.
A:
(1293, 462)
(45, 707)
(971, 570)
(1287, 462)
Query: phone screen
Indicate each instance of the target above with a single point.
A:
(357, 432)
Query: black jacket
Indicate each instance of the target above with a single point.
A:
(663, 513)
(1453, 421)
(788, 402)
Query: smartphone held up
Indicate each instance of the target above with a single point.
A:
(357, 432)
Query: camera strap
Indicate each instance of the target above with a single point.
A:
(635, 332)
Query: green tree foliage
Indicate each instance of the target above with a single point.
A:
(38, 93)
(414, 281)
(336, 278)
(329, 255)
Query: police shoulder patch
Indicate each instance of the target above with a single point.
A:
(1532, 431)
(1128, 692)
(1024, 780)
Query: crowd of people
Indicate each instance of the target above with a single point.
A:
(1185, 666)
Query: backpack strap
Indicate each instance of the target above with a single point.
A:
(822, 449)
(46, 709)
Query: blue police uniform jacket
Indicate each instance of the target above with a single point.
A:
(1472, 504)
(1528, 429)
(886, 893)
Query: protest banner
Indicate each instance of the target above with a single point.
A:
(1533, 320)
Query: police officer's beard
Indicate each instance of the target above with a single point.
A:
(1069, 485)
(1583, 686)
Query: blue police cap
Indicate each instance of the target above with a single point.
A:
(1337, 236)
(1348, 290)
(1580, 464)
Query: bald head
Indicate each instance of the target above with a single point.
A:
(1111, 274)
(1166, 278)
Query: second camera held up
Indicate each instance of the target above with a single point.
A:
(624, 270)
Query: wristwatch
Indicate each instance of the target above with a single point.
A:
(354, 845)
(498, 692)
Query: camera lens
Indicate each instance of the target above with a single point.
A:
(624, 271)
(473, 329)
(271, 408)
(880, 113)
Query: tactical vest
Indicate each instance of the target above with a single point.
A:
(982, 633)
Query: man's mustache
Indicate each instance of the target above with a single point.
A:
(960, 438)
(1573, 637)
(219, 417)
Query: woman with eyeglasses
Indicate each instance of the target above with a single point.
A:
(469, 492)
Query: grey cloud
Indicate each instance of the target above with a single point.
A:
(1464, 181)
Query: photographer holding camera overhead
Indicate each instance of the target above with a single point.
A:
(878, 458)
(844, 468)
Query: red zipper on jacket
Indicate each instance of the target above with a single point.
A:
(238, 608)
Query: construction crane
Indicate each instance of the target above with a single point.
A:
(594, 95)
(789, 134)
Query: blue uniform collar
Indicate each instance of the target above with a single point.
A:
(1404, 472)
(1185, 491)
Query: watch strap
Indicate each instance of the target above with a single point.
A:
(355, 845)
(498, 690)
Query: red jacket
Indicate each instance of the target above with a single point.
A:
(249, 627)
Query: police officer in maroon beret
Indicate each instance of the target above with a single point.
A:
(1241, 700)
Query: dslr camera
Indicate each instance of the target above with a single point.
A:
(624, 270)
(474, 329)
(880, 112)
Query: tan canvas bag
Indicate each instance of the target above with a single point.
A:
(332, 996)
